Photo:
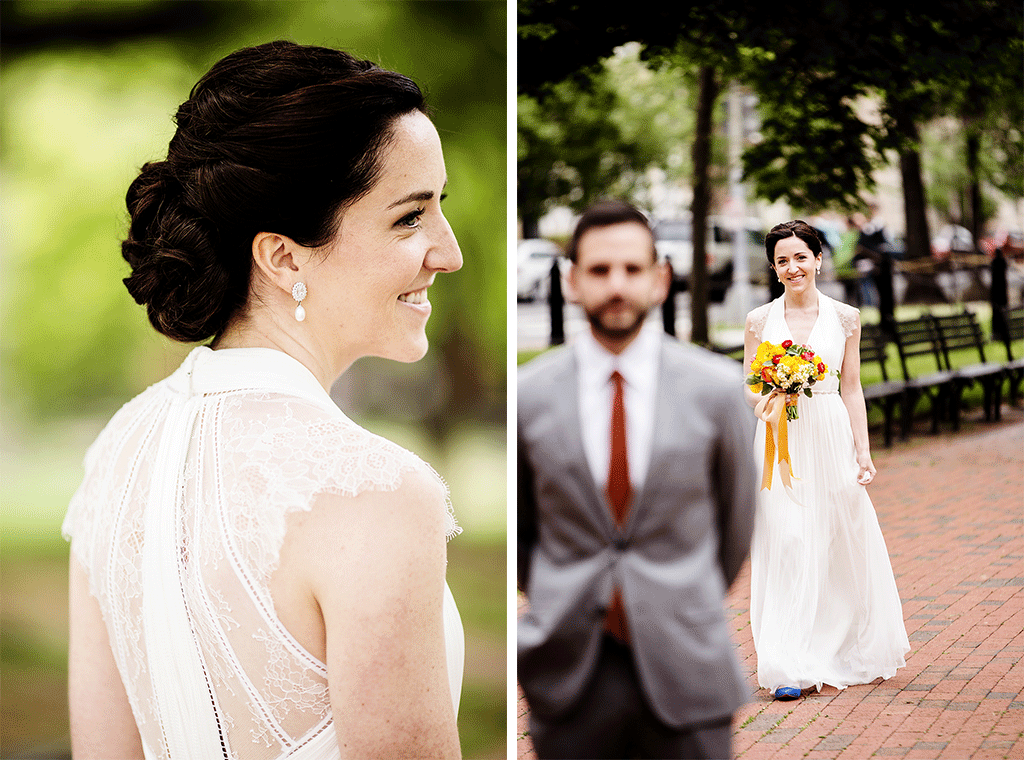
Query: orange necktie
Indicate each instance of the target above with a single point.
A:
(618, 491)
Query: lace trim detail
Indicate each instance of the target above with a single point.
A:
(758, 317)
(288, 453)
(254, 457)
(849, 317)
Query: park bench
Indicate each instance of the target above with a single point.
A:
(962, 331)
(919, 337)
(1013, 319)
(886, 393)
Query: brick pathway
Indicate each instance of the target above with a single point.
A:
(951, 508)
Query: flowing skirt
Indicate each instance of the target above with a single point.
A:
(824, 608)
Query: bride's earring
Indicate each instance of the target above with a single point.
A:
(299, 293)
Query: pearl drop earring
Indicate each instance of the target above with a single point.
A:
(299, 293)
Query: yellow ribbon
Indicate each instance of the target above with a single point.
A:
(772, 409)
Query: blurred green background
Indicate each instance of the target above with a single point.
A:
(88, 91)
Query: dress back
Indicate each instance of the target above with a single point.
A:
(179, 523)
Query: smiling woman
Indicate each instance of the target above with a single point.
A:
(824, 607)
(253, 574)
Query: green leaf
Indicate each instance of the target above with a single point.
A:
(807, 392)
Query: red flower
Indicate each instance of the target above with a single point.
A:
(821, 368)
(766, 375)
(776, 359)
(787, 343)
(807, 356)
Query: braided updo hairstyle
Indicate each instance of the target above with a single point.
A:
(274, 138)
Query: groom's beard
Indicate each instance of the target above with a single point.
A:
(617, 318)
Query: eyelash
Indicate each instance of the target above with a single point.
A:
(410, 221)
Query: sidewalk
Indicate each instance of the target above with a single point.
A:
(951, 508)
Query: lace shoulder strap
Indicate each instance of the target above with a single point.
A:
(291, 451)
(758, 317)
(849, 317)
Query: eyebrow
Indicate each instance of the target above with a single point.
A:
(418, 196)
(421, 196)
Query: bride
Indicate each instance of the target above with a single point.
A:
(824, 608)
(253, 575)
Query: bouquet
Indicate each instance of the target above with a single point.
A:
(785, 368)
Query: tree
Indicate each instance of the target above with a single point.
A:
(828, 56)
(596, 135)
(566, 40)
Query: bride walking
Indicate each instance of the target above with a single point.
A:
(824, 608)
(253, 575)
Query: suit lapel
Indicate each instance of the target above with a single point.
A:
(567, 393)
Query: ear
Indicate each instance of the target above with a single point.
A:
(278, 258)
(572, 293)
(663, 281)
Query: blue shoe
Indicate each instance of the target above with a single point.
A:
(786, 692)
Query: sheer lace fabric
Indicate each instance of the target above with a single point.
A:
(179, 522)
(824, 607)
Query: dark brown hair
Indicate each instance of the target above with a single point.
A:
(795, 228)
(274, 138)
(604, 214)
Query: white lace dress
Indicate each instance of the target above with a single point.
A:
(179, 522)
(824, 608)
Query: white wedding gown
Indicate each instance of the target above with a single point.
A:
(824, 608)
(179, 522)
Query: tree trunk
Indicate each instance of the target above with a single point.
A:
(709, 89)
(531, 226)
(977, 221)
(918, 239)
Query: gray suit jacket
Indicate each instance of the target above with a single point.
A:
(686, 536)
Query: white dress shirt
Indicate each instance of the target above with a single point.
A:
(638, 365)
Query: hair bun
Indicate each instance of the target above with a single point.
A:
(176, 272)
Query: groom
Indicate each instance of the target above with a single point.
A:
(636, 490)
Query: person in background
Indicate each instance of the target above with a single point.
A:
(824, 608)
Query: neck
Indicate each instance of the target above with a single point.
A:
(806, 299)
(248, 332)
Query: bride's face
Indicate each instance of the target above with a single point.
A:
(795, 264)
(367, 294)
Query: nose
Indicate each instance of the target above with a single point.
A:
(617, 278)
(444, 254)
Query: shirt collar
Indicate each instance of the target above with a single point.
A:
(637, 363)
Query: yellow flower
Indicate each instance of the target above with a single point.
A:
(757, 387)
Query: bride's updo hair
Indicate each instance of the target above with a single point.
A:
(795, 228)
(275, 138)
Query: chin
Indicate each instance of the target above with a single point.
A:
(408, 353)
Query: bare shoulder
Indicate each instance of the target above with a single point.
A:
(415, 511)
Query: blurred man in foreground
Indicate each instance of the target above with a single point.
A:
(636, 492)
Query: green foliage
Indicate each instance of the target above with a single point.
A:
(577, 141)
(813, 150)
